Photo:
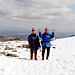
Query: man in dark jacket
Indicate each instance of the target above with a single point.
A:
(33, 40)
(46, 38)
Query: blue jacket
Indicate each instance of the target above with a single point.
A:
(33, 40)
(46, 38)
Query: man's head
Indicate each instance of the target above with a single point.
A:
(46, 30)
(33, 31)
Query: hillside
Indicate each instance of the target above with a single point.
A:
(61, 60)
(8, 38)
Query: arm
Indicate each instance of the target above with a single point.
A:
(38, 41)
(29, 39)
(52, 36)
(41, 36)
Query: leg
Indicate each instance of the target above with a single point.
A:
(43, 52)
(48, 52)
(31, 54)
(35, 54)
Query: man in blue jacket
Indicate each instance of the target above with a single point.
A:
(46, 38)
(33, 40)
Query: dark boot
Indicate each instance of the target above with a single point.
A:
(42, 58)
(47, 58)
(31, 56)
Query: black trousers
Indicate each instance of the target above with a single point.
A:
(43, 52)
(33, 51)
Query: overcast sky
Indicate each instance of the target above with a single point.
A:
(17, 15)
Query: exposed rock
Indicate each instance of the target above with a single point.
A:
(26, 50)
(22, 58)
(53, 47)
(25, 46)
(3, 53)
(14, 50)
(12, 55)
(40, 51)
(8, 42)
(19, 46)
(8, 48)
(19, 52)
(8, 54)
(11, 48)
(17, 39)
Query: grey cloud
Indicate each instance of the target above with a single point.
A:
(35, 9)
(46, 3)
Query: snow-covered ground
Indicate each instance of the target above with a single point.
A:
(61, 60)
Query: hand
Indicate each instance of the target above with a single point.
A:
(39, 30)
(53, 30)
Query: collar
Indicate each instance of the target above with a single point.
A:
(46, 33)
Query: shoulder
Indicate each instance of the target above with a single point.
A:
(30, 35)
(43, 33)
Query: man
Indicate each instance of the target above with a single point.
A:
(46, 38)
(33, 40)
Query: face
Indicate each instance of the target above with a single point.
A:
(46, 31)
(33, 32)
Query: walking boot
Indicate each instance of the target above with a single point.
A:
(35, 55)
(47, 58)
(42, 58)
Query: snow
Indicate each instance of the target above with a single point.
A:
(61, 60)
